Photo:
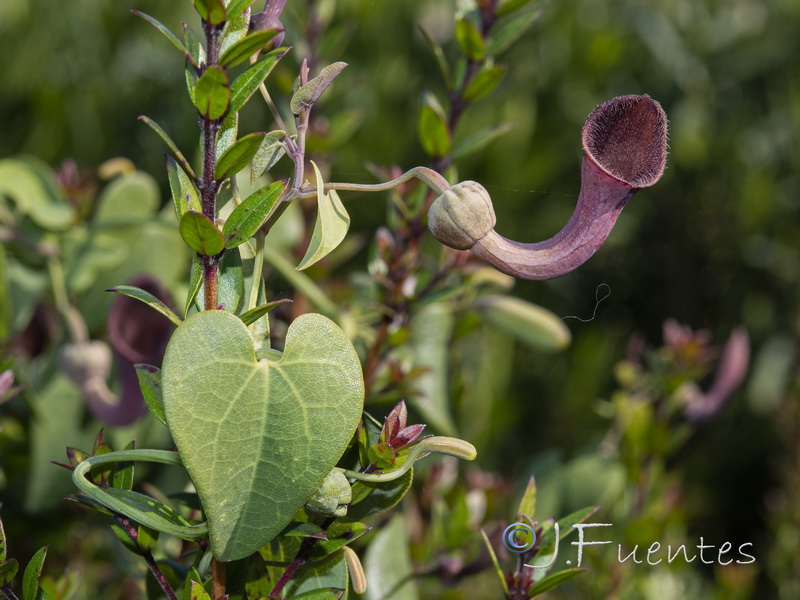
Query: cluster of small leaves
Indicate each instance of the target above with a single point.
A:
(31, 578)
(482, 33)
(523, 581)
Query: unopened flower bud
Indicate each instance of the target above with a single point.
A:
(462, 215)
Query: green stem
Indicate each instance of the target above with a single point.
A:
(439, 444)
(429, 177)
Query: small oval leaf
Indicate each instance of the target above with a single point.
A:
(470, 39)
(432, 129)
(212, 11)
(484, 82)
(185, 195)
(254, 314)
(247, 83)
(246, 47)
(33, 572)
(250, 214)
(150, 384)
(307, 95)
(200, 234)
(269, 152)
(237, 156)
(212, 93)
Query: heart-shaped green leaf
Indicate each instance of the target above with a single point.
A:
(258, 437)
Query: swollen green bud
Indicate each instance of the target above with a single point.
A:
(333, 497)
(462, 215)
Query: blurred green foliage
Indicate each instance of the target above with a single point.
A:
(714, 245)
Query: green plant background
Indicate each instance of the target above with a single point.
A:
(713, 245)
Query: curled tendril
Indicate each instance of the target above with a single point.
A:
(141, 512)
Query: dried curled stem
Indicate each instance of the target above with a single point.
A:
(625, 149)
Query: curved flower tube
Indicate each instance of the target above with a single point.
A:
(624, 150)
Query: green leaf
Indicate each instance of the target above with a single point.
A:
(484, 82)
(31, 185)
(338, 534)
(304, 529)
(237, 7)
(529, 323)
(470, 39)
(331, 226)
(507, 34)
(547, 539)
(507, 6)
(3, 549)
(553, 581)
(212, 93)
(169, 35)
(527, 506)
(129, 198)
(305, 97)
(170, 144)
(254, 314)
(185, 195)
(441, 60)
(277, 436)
(123, 473)
(235, 30)
(270, 152)
(246, 47)
(479, 140)
(8, 570)
(230, 282)
(387, 563)
(33, 572)
(238, 155)
(250, 214)
(194, 45)
(328, 581)
(245, 85)
(432, 129)
(147, 298)
(200, 234)
(146, 538)
(150, 384)
(195, 283)
(161, 514)
(228, 132)
(212, 11)
(198, 593)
